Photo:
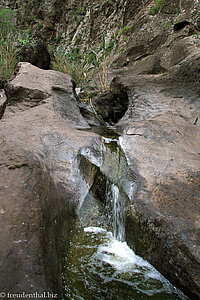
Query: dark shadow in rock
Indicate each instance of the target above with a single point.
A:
(2, 82)
(35, 53)
(181, 25)
(112, 104)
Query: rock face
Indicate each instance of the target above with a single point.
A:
(40, 181)
(161, 138)
(158, 36)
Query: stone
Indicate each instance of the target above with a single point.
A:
(161, 138)
(2, 103)
(163, 222)
(40, 180)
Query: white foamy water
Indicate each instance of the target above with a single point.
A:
(128, 267)
(94, 230)
(120, 256)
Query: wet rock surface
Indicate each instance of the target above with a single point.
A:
(40, 180)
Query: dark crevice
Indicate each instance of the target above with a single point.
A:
(112, 104)
(181, 25)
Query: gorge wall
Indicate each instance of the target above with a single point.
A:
(157, 35)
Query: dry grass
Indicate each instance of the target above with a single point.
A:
(103, 76)
(82, 73)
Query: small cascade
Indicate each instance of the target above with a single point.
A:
(99, 263)
(118, 214)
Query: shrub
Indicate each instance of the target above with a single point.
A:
(82, 69)
(68, 62)
(156, 8)
(8, 57)
(102, 81)
(125, 30)
(7, 24)
(10, 39)
(8, 36)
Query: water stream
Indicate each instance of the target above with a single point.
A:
(99, 263)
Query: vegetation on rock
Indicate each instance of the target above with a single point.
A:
(156, 7)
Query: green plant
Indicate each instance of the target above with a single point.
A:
(39, 26)
(81, 11)
(7, 23)
(156, 8)
(79, 19)
(24, 38)
(166, 25)
(31, 19)
(68, 62)
(92, 59)
(8, 37)
(77, 40)
(106, 48)
(122, 49)
(124, 30)
(8, 56)
(35, 2)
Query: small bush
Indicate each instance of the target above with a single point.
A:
(81, 11)
(7, 24)
(83, 69)
(156, 8)
(69, 63)
(8, 57)
(8, 41)
(125, 30)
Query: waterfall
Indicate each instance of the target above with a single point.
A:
(118, 214)
(117, 204)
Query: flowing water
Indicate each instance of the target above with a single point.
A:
(100, 265)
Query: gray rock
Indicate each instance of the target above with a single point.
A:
(40, 180)
(161, 138)
(2, 103)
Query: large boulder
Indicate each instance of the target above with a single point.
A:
(163, 222)
(40, 181)
(161, 139)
